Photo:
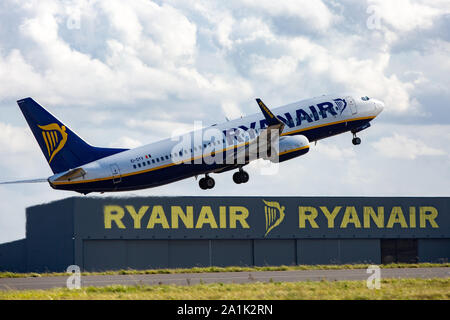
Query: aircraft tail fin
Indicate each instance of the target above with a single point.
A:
(62, 148)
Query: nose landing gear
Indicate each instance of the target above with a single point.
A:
(356, 140)
(240, 177)
(206, 183)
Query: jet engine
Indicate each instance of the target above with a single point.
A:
(290, 147)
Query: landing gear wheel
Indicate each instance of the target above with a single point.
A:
(210, 183)
(244, 177)
(240, 177)
(237, 177)
(202, 184)
(206, 183)
(356, 141)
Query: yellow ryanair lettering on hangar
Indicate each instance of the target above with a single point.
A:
(369, 217)
(148, 217)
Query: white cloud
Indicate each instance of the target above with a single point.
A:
(150, 56)
(314, 13)
(276, 70)
(333, 152)
(159, 34)
(15, 139)
(20, 156)
(126, 142)
(402, 147)
(407, 15)
(165, 128)
(16, 75)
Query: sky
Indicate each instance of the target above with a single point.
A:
(128, 73)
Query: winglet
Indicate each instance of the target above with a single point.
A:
(270, 117)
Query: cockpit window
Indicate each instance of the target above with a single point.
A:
(366, 98)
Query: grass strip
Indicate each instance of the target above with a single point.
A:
(391, 289)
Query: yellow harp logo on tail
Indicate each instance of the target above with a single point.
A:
(55, 137)
(274, 215)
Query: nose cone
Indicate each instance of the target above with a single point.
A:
(379, 106)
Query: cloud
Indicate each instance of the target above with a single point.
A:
(231, 110)
(312, 13)
(333, 152)
(149, 53)
(15, 139)
(153, 52)
(407, 15)
(16, 75)
(165, 128)
(402, 147)
(20, 156)
(125, 142)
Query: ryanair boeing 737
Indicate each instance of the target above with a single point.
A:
(278, 135)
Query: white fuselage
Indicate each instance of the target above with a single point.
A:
(161, 162)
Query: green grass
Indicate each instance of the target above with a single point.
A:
(391, 289)
(228, 269)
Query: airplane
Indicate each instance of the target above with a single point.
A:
(80, 167)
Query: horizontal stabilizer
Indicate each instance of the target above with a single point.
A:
(25, 181)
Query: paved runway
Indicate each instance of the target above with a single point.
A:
(220, 277)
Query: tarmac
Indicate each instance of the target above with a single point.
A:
(48, 282)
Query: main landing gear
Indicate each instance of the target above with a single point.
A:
(206, 183)
(356, 141)
(240, 177)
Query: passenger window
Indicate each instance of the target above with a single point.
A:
(157, 159)
(134, 166)
(153, 160)
(143, 164)
(167, 157)
(139, 165)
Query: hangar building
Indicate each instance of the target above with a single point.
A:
(174, 232)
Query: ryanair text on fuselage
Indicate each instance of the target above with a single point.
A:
(300, 115)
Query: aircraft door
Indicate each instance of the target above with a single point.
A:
(117, 178)
(352, 105)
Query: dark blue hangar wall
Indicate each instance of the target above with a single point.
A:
(174, 232)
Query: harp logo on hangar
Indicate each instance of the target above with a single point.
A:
(274, 213)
